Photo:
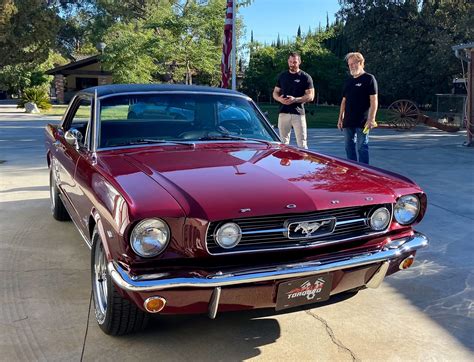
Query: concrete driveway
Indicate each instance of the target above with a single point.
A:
(423, 313)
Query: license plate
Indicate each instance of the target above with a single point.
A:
(303, 291)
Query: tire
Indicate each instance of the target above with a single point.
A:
(57, 207)
(114, 314)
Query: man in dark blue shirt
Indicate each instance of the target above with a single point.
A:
(358, 108)
(293, 89)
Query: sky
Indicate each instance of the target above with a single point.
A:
(268, 18)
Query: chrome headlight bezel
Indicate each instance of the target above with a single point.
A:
(219, 235)
(149, 246)
(407, 203)
(381, 212)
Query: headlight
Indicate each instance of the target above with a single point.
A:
(228, 235)
(380, 219)
(150, 237)
(407, 209)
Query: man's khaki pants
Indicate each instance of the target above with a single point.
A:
(298, 122)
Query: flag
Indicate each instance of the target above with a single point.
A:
(227, 45)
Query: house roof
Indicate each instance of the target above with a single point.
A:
(74, 67)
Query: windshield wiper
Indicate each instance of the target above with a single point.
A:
(225, 136)
(222, 137)
(144, 141)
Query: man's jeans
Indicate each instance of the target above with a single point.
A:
(355, 137)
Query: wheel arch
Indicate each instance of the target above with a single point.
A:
(95, 221)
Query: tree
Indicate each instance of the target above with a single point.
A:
(28, 31)
(128, 55)
(16, 78)
(408, 46)
(260, 76)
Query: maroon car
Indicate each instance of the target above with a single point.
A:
(190, 203)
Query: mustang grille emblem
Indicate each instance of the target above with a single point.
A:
(311, 228)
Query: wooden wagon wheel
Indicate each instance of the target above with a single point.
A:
(403, 114)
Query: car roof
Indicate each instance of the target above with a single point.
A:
(104, 90)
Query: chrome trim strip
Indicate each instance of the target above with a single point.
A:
(264, 231)
(296, 246)
(221, 279)
(214, 302)
(353, 221)
(285, 229)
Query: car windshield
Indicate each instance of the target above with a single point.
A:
(130, 119)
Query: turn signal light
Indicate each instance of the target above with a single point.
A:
(407, 262)
(154, 304)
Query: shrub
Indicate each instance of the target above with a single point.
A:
(36, 95)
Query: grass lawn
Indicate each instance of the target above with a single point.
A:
(316, 116)
(56, 110)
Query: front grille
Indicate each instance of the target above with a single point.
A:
(271, 232)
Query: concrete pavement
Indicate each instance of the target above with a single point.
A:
(423, 313)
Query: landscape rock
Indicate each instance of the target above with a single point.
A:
(31, 108)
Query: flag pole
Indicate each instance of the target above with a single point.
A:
(234, 46)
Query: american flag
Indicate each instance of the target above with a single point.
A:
(227, 45)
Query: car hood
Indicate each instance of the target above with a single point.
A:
(225, 181)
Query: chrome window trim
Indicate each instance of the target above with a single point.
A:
(175, 92)
(98, 99)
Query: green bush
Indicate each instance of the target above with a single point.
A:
(37, 95)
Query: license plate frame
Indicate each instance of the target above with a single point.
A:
(303, 291)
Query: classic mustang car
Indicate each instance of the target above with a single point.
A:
(197, 207)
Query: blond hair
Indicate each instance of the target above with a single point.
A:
(358, 56)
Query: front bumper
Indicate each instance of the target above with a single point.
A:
(395, 249)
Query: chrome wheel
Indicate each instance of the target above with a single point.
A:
(100, 282)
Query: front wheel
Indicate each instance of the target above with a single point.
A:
(114, 314)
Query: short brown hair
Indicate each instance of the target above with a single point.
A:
(356, 55)
(294, 54)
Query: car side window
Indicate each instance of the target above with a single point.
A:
(81, 119)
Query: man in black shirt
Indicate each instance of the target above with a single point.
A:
(293, 89)
(358, 108)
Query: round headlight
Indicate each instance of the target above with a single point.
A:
(380, 219)
(407, 209)
(228, 235)
(150, 237)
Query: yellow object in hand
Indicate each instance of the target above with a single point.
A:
(367, 129)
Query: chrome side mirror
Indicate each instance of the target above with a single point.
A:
(73, 137)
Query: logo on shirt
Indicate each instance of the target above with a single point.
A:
(358, 84)
(297, 80)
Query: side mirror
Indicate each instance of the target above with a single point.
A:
(73, 137)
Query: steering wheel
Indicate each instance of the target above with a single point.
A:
(192, 135)
(232, 127)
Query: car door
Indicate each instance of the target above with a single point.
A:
(65, 159)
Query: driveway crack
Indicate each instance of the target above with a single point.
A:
(331, 335)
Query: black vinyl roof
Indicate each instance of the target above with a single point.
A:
(105, 90)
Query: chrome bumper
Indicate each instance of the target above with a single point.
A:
(161, 281)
